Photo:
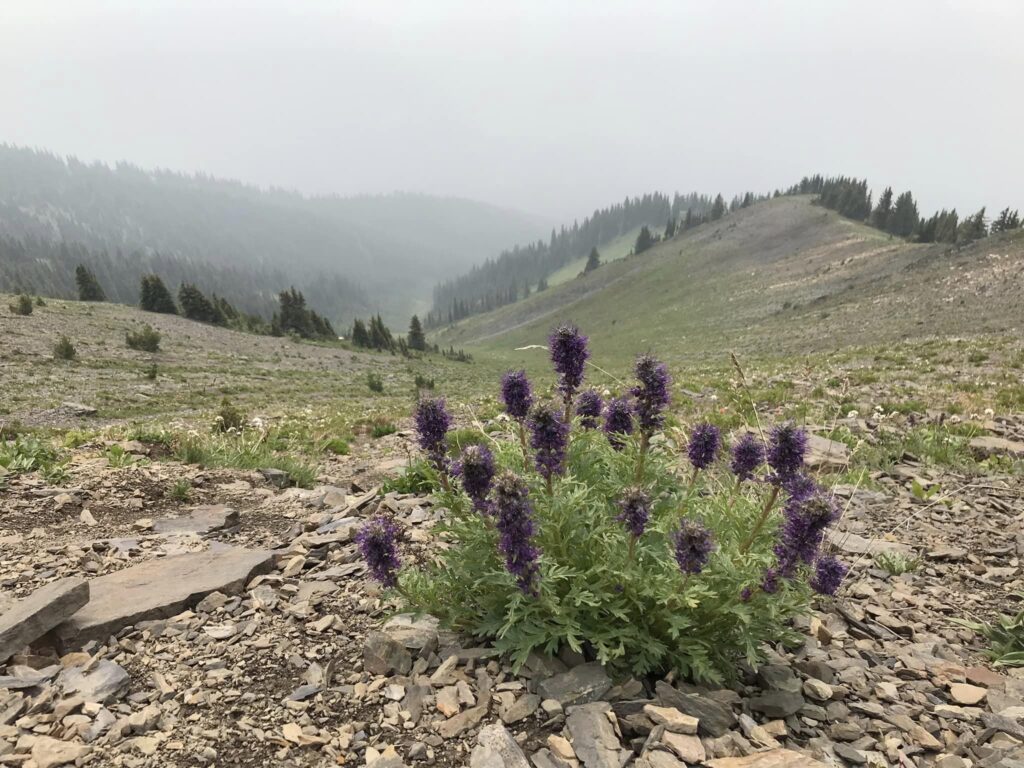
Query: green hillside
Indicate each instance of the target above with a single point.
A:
(781, 277)
(617, 249)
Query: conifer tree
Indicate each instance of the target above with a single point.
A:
(670, 228)
(593, 261)
(360, 336)
(718, 208)
(154, 296)
(643, 241)
(195, 305)
(972, 228)
(880, 216)
(89, 288)
(417, 340)
(1006, 221)
(904, 217)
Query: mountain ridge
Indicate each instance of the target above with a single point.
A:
(780, 276)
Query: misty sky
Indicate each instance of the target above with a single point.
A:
(550, 107)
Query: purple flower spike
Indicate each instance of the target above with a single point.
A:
(829, 573)
(800, 487)
(747, 456)
(692, 544)
(786, 450)
(802, 531)
(516, 530)
(378, 544)
(618, 421)
(588, 408)
(476, 468)
(652, 393)
(432, 423)
(569, 354)
(549, 437)
(517, 394)
(703, 445)
(635, 510)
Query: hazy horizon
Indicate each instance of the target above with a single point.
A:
(549, 110)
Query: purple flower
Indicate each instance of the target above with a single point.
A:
(432, 423)
(747, 456)
(476, 468)
(517, 394)
(549, 437)
(770, 584)
(635, 509)
(802, 531)
(569, 354)
(515, 530)
(703, 445)
(618, 421)
(829, 573)
(588, 408)
(378, 544)
(786, 450)
(800, 487)
(652, 395)
(692, 544)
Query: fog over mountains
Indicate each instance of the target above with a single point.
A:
(352, 256)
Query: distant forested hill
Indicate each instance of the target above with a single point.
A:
(350, 256)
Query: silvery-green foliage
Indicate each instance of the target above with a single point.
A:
(629, 607)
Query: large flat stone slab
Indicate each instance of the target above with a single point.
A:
(161, 588)
(200, 520)
(29, 619)
(824, 454)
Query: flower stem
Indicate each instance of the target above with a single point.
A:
(632, 548)
(522, 442)
(551, 487)
(761, 520)
(689, 492)
(735, 494)
(645, 443)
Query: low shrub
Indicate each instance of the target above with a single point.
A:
(580, 528)
(229, 418)
(375, 382)
(382, 429)
(21, 305)
(63, 349)
(181, 490)
(1005, 636)
(145, 340)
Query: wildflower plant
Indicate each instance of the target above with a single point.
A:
(638, 553)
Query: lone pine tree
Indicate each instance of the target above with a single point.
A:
(417, 340)
(89, 288)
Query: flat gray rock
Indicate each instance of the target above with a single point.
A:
(101, 683)
(495, 748)
(824, 454)
(29, 619)
(855, 544)
(715, 719)
(996, 446)
(159, 589)
(201, 520)
(593, 736)
(580, 685)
